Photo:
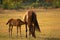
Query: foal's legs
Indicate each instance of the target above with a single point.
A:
(10, 30)
(20, 30)
(17, 31)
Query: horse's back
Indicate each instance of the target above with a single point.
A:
(15, 22)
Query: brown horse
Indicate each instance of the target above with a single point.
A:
(31, 20)
(14, 22)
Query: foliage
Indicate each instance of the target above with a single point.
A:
(56, 3)
(21, 4)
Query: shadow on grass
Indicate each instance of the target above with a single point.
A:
(47, 38)
(24, 38)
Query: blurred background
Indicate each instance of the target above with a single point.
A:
(26, 4)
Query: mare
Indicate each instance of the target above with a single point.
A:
(30, 20)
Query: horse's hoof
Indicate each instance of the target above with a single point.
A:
(26, 36)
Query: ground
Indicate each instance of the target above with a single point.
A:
(48, 19)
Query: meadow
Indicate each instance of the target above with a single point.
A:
(49, 22)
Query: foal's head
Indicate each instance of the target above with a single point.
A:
(20, 21)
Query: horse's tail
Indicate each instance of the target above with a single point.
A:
(6, 23)
(34, 18)
(9, 21)
(37, 26)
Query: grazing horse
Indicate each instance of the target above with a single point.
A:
(14, 22)
(30, 19)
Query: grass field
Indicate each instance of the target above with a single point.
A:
(49, 22)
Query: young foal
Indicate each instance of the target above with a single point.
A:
(31, 20)
(14, 22)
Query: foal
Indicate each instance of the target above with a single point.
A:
(14, 22)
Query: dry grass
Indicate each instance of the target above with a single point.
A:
(49, 22)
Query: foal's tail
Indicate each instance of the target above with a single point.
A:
(9, 21)
(6, 23)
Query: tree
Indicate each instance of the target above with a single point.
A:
(1, 1)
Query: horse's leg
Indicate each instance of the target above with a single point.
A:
(26, 30)
(20, 30)
(33, 32)
(17, 31)
(11, 30)
(30, 30)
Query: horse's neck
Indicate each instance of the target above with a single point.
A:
(25, 17)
